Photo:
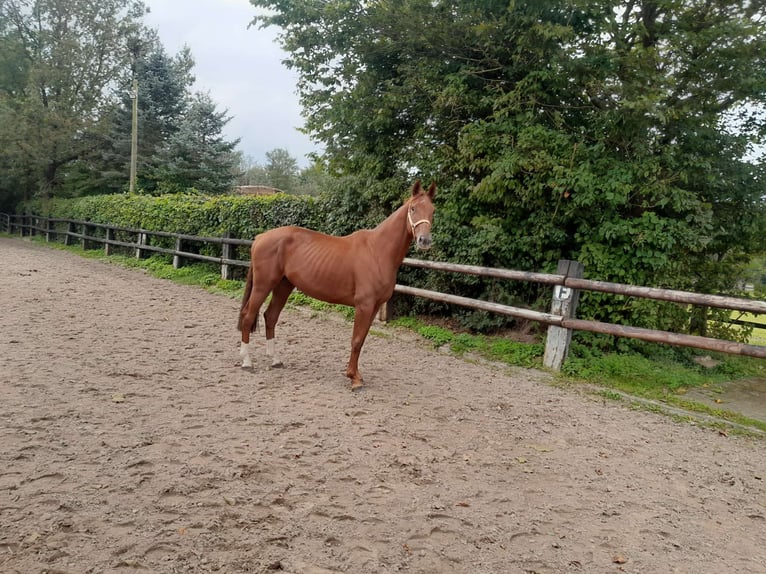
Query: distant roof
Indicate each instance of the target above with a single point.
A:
(257, 190)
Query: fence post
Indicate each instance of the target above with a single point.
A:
(564, 304)
(50, 230)
(386, 311)
(69, 230)
(109, 237)
(84, 242)
(177, 260)
(226, 253)
(143, 239)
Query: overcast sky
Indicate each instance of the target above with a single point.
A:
(241, 69)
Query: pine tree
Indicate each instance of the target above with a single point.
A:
(197, 155)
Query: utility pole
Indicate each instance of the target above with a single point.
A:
(134, 137)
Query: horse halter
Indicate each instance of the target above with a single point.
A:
(413, 225)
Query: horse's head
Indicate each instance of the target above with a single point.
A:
(420, 214)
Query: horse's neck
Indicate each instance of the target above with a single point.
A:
(392, 235)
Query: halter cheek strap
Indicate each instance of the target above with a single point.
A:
(416, 223)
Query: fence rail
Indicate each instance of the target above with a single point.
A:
(567, 284)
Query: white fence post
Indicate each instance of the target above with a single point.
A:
(564, 305)
(143, 239)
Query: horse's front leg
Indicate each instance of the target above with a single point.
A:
(363, 316)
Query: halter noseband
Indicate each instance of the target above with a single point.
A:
(415, 224)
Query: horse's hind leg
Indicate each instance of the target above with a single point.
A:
(248, 323)
(278, 299)
(248, 318)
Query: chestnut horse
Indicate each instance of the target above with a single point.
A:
(358, 270)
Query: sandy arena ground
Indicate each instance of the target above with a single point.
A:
(131, 441)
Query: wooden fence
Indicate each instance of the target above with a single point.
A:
(567, 284)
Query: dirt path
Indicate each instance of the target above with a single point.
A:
(130, 440)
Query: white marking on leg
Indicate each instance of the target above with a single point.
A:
(271, 351)
(244, 352)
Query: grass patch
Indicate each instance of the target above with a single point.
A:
(499, 349)
(666, 380)
(758, 336)
(298, 298)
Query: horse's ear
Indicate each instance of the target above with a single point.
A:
(416, 189)
(432, 190)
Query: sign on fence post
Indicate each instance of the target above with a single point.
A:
(564, 305)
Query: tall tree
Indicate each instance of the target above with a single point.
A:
(598, 131)
(62, 60)
(197, 155)
(281, 169)
(164, 85)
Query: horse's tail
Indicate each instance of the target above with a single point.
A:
(245, 299)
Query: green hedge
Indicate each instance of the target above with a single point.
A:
(193, 214)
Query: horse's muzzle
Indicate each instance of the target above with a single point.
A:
(423, 241)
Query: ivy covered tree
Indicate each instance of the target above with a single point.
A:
(609, 132)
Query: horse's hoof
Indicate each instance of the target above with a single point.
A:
(356, 385)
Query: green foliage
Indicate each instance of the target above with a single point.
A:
(357, 202)
(658, 377)
(437, 335)
(188, 213)
(754, 273)
(164, 83)
(61, 60)
(281, 172)
(281, 169)
(493, 348)
(607, 133)
(196, 154)
(66, 75)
